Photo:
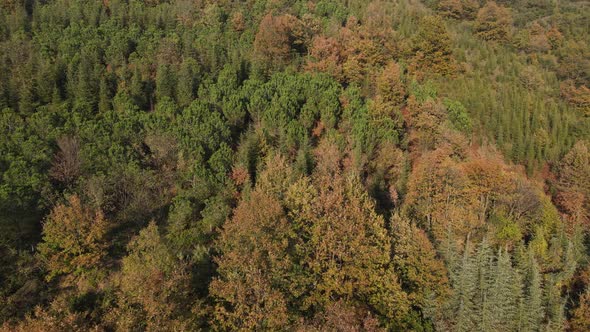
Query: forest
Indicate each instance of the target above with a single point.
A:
(294, 165)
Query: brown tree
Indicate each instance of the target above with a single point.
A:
(577, 96)
(356, 51)
(326, 55)
(278, 37)
(494, 22)
(74, 240)
(581, 315)
(253, 267)
(340, 316)
(574, 183)
(66, 164)
(154, 285)
(458, 9)
(438, 196)
(390, 85)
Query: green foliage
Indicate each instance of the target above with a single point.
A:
(458, 115)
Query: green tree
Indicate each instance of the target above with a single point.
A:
(165, 82)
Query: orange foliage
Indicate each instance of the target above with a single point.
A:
(355, 52)
(494, 22)
(458, 9)
(577, 96)
(439, 196)
(254, 262)
(278, 37)
(74, 240)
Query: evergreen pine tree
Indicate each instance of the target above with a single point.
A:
(465, 290)
(105, 96)
(484, 260)
(165, 82)
(534, 298)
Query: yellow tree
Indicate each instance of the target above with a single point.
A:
(422, 273)
(432, 47)
(252, 267)
(390, 85)
(154, 285)
(344, 248)
(74, 240)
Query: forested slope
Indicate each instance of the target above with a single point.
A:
(326, 165)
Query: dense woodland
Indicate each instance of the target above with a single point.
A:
(300, 165)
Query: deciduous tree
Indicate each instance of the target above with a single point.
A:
(74, 240)
(494, 22)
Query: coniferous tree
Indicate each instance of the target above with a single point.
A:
(534, 298)
(465, 289)
(165, 83)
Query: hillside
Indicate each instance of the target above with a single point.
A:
(317, 165)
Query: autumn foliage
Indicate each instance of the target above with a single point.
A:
(75, 240)
(493, 22)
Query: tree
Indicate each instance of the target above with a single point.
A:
(253, 267)
(165, 82)
(187, 82)
(390, 85)
(343, 250)
(577, 96)
(494, 22)
(534, 298)
(275, 40)
(505, 295)
(66, 164)
(574, 183)
(438, 197)
(581, 315)
(458, 115)
(154, 284)
(326, 55)
(458, 9)
(432, 45)
(422, 274)
(462, 304)
(74, 240)
(340, 316)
